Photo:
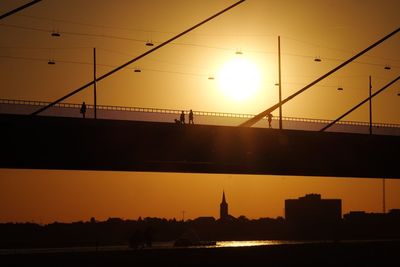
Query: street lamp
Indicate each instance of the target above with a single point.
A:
(55, 34)
(317, 59)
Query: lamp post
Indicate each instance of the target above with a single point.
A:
(94, 83)
(370, 105)
(280, 82)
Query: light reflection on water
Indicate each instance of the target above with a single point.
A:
(249, 243)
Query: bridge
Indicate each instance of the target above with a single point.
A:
(72, 110)
(148, 140)
(42, 135)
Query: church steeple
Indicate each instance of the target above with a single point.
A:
(223, 208)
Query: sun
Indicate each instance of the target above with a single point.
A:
(239, 79)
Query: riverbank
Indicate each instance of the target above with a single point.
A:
(368, 253)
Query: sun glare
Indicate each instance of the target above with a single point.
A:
(239, 79)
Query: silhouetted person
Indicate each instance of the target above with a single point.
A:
(183, 117)
(191, 117)
(269, 116)
(83, 109)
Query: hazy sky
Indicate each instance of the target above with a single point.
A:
(176, 77)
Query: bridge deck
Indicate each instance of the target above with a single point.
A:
(71, 110)
(44, 142)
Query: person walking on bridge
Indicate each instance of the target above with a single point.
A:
(83, 109)
(191, 117)
(269, 116)
(182, 117)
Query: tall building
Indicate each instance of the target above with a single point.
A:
(223, 208)
(311, 209)
(311, 217)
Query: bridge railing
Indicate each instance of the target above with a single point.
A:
(123, 108)
(73, 108)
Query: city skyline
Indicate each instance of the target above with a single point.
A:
(169, 210)
(311, 208)
(307, 218)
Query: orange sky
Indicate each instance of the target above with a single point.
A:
(176, 77)
(47, 196)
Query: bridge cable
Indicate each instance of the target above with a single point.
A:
(19, 9)
(261, 115)
(360, 104)
(135, 59)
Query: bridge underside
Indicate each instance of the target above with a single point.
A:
(87, 144)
